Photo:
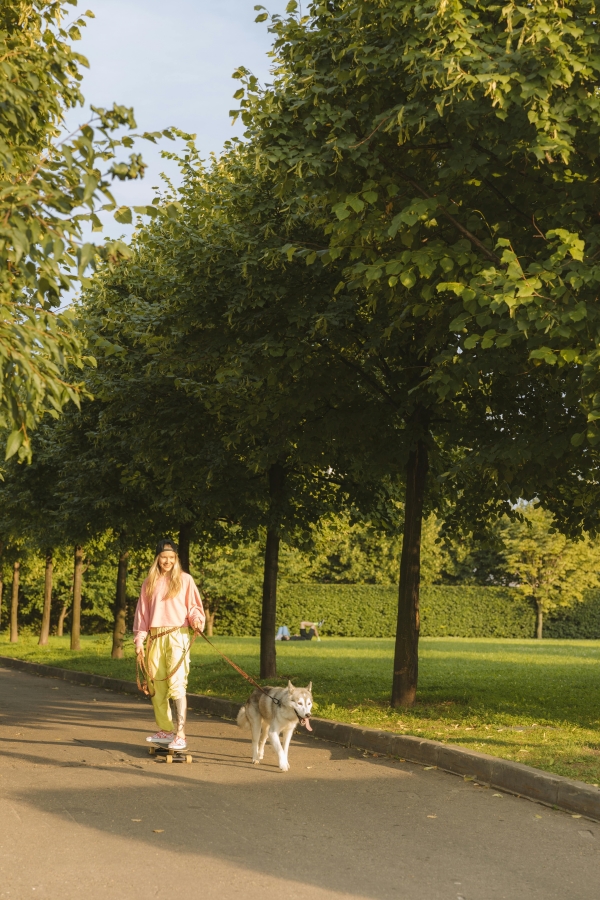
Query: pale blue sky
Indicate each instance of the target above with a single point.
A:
(172, 61)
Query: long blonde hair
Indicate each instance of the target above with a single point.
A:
(175, 579)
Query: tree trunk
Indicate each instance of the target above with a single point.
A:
(185, 534)
(14, 604)
(210, 622)
(268, 657)
(539, 621)
(76, 617)
(406, 656)
(61, 619)
(120, 626)
(45, 630)
(1, 594)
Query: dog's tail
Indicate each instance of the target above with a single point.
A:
(242, 718)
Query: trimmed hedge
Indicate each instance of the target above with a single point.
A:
(369, 610)
(581, 621)
(475, 612)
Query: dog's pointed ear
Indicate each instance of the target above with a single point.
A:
(290, 686)
(309, 688)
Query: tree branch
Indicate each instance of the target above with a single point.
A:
(383, 121)
(471, 237)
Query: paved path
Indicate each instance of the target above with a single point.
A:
(86, 814)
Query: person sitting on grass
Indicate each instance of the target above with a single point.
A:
(308, 630)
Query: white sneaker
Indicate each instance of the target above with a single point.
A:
(178, 744)
(161, 737)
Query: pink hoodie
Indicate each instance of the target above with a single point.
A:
(185, 608)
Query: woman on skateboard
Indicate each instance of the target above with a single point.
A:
(169, 604)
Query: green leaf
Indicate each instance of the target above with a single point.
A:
(356, 203)
(545, 354)
(455, 286)
(123, 215)
(14, 442)
(85, 255)
(460, 321)
(341, 211)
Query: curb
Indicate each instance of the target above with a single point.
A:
(574, 797)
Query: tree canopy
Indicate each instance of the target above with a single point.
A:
(52, 186)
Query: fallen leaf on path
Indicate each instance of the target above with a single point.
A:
(575, 816)
(136, 820)
(537, 817)
(53, 689)
(497, 795)
(426, 768)
(158, 830)
(432, 817)
(309, 767)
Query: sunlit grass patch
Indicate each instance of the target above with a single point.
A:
(534, 702)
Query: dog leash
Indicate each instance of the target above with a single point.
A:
(303, 720)
(242, 673)
(143, 683)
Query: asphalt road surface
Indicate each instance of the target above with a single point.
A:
(87, 814)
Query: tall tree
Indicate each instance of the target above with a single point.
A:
(14, 604)
(548, 568)
(45, 629)
(51, 187)
(426, 199)
(1, 577)
(204, 315)
(120, 626)
(76, 607)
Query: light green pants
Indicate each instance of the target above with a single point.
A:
(165, 652)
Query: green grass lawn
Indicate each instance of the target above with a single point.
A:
(535, 702)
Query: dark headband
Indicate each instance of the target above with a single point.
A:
(166, 544)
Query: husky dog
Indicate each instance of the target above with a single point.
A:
(278, 713)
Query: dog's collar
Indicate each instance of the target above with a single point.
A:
(268, 694)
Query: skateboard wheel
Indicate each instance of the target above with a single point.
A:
(152, 751)
(188, 758)
(169, 759)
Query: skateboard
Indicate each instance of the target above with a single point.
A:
(158, 748)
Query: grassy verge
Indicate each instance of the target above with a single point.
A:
(538, 703)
